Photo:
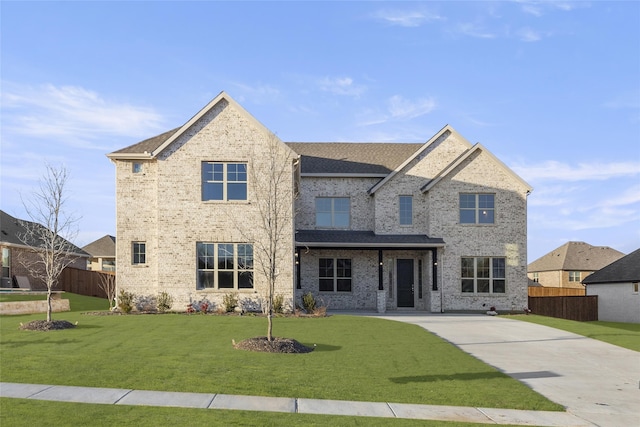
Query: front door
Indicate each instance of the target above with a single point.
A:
(405, 282)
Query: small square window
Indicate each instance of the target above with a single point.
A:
(137, 168)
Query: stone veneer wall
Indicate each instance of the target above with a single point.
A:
(164, 208)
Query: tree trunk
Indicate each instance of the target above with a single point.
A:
(49, 304)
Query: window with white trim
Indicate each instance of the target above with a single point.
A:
(333, 212)
(405, 204)
(136, 168)
(138, 253)
(574, 276)
(483, 275)
(224, 181)
(334, 274)
(536, 277)
(477, 208)
(224, 265)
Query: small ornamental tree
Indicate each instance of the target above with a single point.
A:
(273, 184)
(50, 252)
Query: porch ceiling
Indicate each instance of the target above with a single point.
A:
(352, 239)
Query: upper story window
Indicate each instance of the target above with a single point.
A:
(483, 275)
(574, 276)
(406, 210)
(333, 212)
(138, 253)
(136, 168)
(225, 265)
(536, 277)
(477, 208)
(224, 181)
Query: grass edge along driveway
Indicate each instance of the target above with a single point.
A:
(356, 358)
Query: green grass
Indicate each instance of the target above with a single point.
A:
(356, 358)
(625, 335)
(25, 412)
(11, 297)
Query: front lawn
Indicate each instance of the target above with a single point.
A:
(625, 335)
(356, 358)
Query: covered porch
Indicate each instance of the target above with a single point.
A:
(369, 271)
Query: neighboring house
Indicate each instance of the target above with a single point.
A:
(568, 265)
(439, 226)
(15, 252)
(103, 254)
(616, 286)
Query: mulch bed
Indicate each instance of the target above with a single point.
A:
(43, 325)
(276, 345)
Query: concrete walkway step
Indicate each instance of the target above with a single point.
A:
(117, 396)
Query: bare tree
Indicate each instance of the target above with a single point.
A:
(107, 283)
(272, 180)
(50, 252)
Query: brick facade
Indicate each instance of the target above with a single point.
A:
(162, 207)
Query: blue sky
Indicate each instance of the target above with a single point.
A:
(551, 88)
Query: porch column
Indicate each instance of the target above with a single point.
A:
(434, 267)
(297, 256)
(380, 273)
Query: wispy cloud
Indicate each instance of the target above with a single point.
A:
(407, 18)
(554, 170)
(71, 114)
(475, 30)
(539, 8)
(405, 109)
(258, 93)
(529, 35)
(398, 109)
(341, 86)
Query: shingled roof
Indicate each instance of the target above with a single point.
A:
(576, 256)
(103, 247)
(626, 269)
(352, 158)
(12, 229)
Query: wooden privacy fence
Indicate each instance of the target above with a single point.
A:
(581, 308)
(541, 291)
(83, 282)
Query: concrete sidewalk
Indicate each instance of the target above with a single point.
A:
(593, 380)
(114, 396)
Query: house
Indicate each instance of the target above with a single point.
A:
(438, 226)
(568, 265)
(616, 286)
(103, 254)
(16, 253)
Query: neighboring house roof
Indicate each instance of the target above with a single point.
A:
(576, 256)
(104, 247)
(358, 239)
(11, 230)
(349, 158)
(626, 269)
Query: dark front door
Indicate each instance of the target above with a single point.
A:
(405, 282)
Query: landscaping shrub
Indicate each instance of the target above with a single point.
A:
(309, 302)
(278, 303)
(164, 302)
(125, 301)
(230, 302)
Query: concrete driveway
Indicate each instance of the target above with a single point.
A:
(595, 381)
